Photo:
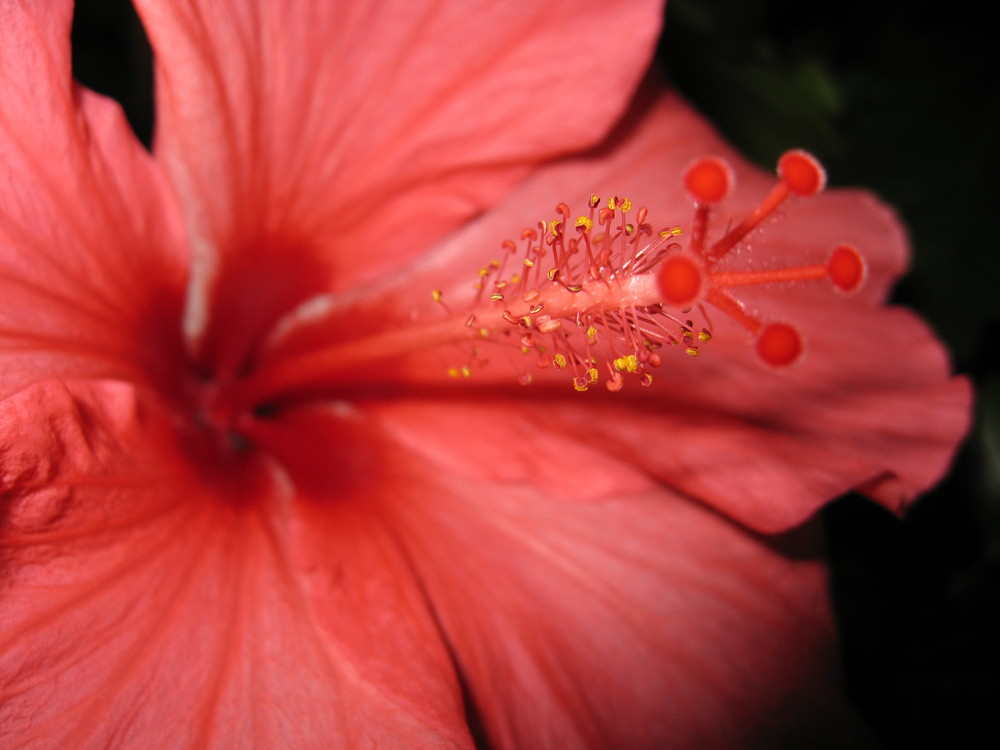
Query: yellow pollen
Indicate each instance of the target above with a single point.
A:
(466, 372)
(626, 205)
(529, 262)
(595, 201)
(586, 223)
(436, 295)
(628, 363)
(579, 387)
(484, 272)
(672, 232)
(496, 297)
(593, 374)
(692, 351)
(592, 332)
(559, 361)
(704, 335)
(484, 333)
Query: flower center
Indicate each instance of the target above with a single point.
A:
(602, 291)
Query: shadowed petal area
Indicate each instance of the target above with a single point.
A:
(149, 606)
(340, 133)
(92, 262)
(585, 605)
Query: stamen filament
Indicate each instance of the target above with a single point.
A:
(778, 195)
(773, 276)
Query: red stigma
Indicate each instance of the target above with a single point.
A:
(682, 281)
(779, 344)
(846, 268)
(709, 180)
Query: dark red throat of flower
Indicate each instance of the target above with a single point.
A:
(600, 291)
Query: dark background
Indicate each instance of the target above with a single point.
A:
(907, 103)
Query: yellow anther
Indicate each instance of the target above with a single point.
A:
(495, 264)
(584, 222)
(555, 227)
(484, 333)
(704, 335)
(595, 201)
(578, 386)
(515, 279)
(628, 363)
(484, 272)
(613, 203)
(525, 349)
(553, 272)
(436, 295)
(672, 232)
(630, 229)
(559, 361)
(593, 374)
(692, 351)
(453, 372)
(529, 262)
(626, 205)
(466, 372)
(592, 332)
(496, 297)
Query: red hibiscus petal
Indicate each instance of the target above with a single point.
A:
(316, 145)
(92, 263)
(149, 606)
(871, 406)
(585, 606)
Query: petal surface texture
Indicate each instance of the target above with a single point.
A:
(338, 133)
(92, 257)
(147, 604)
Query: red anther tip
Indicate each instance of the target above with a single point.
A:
(709, 180)
(681, 281)
(779, 344)
(801, 172)
(846, 268)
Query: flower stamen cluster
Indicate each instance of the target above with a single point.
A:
(605, 291)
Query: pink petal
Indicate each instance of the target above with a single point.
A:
(872, 405)
(92, 263)
(351, 136)
(149, 606)
(599, 611)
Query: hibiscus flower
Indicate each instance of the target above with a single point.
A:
(244, 504)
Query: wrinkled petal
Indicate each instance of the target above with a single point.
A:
(585, 606)
(353, 135)
(147, 605)
(872, 405)
(92, 263)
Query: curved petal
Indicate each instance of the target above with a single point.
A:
(145, 605)
(92, 262)
(585, 606)
(871, 406)
(334, 140)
